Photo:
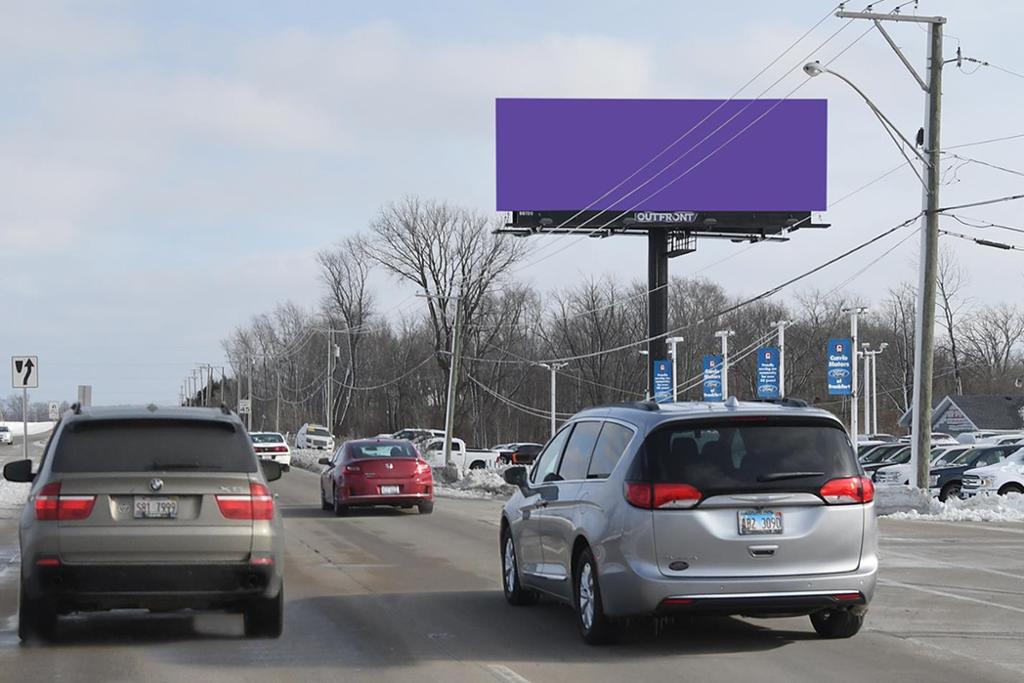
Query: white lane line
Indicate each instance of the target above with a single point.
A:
(983, 527)
(944, 594)
(926, 561)
(502, 672)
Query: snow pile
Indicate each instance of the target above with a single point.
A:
(12, 498)
(307, 458)
(904, 502)
(33, 427)
(488, 483)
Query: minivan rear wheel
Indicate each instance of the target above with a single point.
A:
(37, 618)
(515, 594)
(836, 623)
(594, 626)
(264, 617)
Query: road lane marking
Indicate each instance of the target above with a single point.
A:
(926, 561)
(504, 673)
(953, 596)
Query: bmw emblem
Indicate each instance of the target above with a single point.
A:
(156, 484)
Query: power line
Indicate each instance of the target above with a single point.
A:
(983, 242)
(522, 407)
(985, 202)
(985, 224)
(389, 382)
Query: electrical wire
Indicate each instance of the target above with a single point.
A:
(985, 224)
(985, 202)
(530, 410)
(389, 382)
(982, 242)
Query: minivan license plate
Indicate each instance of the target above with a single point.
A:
(151, 507)
(760, 522)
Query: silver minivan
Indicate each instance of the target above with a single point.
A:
(153, 508)
(756, 509)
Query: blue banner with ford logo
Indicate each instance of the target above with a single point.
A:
(712, 377)
(839, 367)
(768, 373)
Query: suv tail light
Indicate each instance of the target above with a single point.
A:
(848, 491)
(661, 496)
(50, 505)
(258, 505)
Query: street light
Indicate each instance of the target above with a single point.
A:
(672, 341)
(872, 368)
(724, 336)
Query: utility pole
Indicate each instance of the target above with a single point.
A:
(554, 368)
(854, 393)
(724, 336)
(866, 354)
(781, 325)
(277, 407)
(924, 325)
(327, 404)
(672, 341)
(252, 369)
(453, 371)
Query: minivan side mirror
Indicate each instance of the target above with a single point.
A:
(271, 470)
(19, 471)
(516, 476)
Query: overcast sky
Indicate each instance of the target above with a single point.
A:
(169, 169)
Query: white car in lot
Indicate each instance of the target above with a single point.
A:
(271, 446)
(5, 435)
(1002, 478)
(314, 436)
(899, 475)
(464, 458)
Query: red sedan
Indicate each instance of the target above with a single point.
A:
(376, 472)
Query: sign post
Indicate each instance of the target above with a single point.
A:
(839, 367)
(768, 373)
(713, 377)
(663, 380)
(54, 410)
(24, 376)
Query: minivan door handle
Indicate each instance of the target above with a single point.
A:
(762, 551)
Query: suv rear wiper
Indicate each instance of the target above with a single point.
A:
(779, 476)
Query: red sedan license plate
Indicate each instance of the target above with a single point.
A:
(760, 522)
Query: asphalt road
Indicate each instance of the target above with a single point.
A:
(398, 596)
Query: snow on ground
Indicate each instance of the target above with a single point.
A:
(12, 498)
(306, 458)
(33, 427)
(903, 502)
(477, 484)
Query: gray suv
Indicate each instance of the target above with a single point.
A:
(158, 508)
(756, 509)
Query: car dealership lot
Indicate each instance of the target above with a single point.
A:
(390, 596)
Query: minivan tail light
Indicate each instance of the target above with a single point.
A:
(258, 505)
(848, 491)
(661, 496)
(51, 506)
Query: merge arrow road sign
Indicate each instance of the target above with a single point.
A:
(25, 372)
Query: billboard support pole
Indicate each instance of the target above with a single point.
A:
(657, 299)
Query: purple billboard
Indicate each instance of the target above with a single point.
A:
(741, 155)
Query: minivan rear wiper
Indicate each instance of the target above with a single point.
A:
(779, 476)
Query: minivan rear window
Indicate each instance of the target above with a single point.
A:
(153, 445)
(737, 456)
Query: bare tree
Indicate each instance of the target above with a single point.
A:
(991, 337)
(951, 281)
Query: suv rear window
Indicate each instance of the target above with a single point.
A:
(152, 446)
(748, 456)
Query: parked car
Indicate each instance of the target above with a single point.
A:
(900, 474)
(881, 453)
(314, 436)
(464, 458)
(946, 482)
(1003, 477)
(5, 435)
(899, 456)
(938, 439)
(152, 508)
(517, 453)
(376, 472)
(272, 446)
(415, 434)
(694, 508)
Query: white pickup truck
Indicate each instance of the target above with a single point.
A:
(464, 458)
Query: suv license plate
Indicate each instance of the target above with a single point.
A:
(389, 490)
(151, 507)
(760, 522)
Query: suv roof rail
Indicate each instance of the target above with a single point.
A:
(785, 401)
(76, 408)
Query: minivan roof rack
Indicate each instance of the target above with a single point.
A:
(76, 408)
(650, 406)
(785, 401)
